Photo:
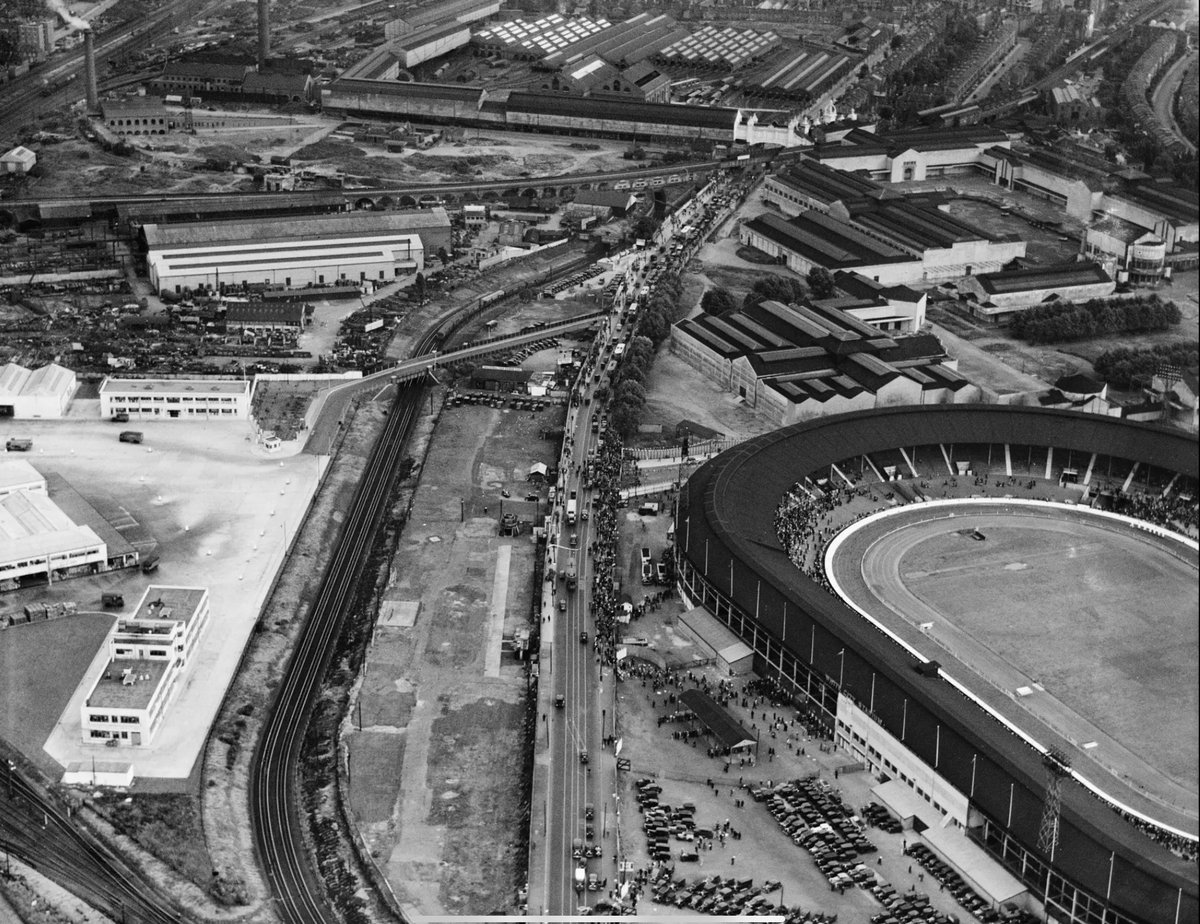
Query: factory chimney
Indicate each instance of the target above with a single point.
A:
(264, 33)
(89, 71)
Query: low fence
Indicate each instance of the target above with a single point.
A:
(701, 448)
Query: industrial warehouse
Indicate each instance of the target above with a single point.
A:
(293, 253)
(792, 362)
(49, 533)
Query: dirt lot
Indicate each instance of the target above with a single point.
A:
(437, 783)
(482, 155)
(675, 392)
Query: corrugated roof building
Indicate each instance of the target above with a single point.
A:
(35, 394)
(792, 362)
(294, 252)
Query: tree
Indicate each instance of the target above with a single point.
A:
(644, 228)
(717, 301)
(443, 256)
(820, 282)
(773, 287)
(631, 392)
(419, 285)
(897, 40)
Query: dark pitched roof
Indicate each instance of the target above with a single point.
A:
(826, 241)
(1079, 383)
(826, 184)
(860, 286)
(262, 312)
(1043, 277)
(621, 111)
(728, 732)
(417, 90)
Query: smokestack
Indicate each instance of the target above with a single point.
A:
(264, 33)
(89, 71)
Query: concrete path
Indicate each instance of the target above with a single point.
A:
(491, 663)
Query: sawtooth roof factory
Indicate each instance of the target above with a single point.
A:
(793, 362)
(294, 253)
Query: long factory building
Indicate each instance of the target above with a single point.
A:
(293, 252)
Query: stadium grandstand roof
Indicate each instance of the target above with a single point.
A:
(622, 111)
(309, 227)
(826, 241)
(1043, 277)
(731, 544)
(623, 44)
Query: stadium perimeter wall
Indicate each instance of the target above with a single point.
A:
(731, 560)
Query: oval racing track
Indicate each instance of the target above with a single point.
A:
(869, 580)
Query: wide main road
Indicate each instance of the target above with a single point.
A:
(575, 780)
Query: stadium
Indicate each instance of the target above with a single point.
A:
(1097, 827)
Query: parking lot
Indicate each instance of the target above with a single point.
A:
(220, 516)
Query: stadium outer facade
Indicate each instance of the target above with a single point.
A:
(1104, 869)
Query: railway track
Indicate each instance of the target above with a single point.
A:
(279, 824)
(38, 831)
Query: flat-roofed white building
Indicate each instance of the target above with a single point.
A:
(177, 399)
(293, 252)
(31, 394)
(37, 538)
(149, 653)
(19, 475)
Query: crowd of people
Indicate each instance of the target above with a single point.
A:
(1177, 512)
(804, 525)
(605, 604)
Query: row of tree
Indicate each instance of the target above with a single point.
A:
(1061, 321)
(655, 318)
(1126, 368)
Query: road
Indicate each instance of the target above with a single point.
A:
(1163, 100)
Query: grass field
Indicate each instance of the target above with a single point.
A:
(1106, 622)
(40, 666)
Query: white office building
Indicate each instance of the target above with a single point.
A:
(148, 655)
(36, 536)
(176, 399)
